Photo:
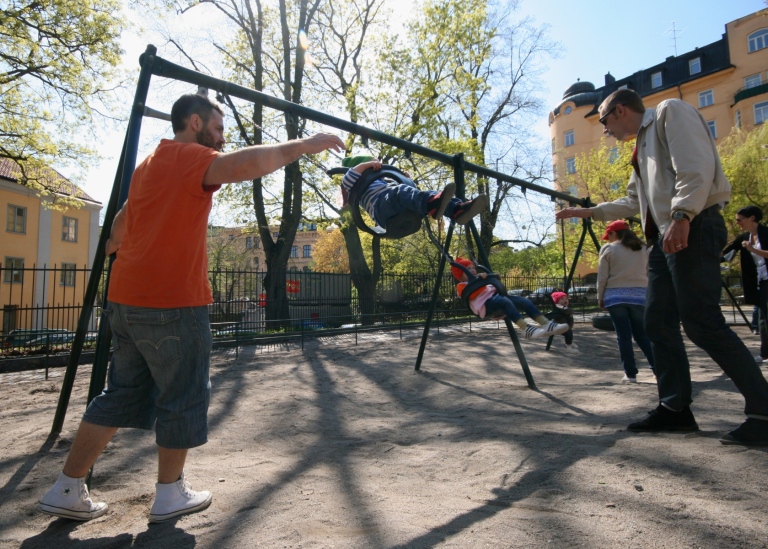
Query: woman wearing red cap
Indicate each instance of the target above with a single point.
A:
(622, 278)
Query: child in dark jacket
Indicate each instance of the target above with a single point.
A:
(384, 200)
(562, 313)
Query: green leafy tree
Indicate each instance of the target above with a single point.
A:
(745, 162)
(56, 58)
(601, 174)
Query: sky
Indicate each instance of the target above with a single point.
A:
(596, 36)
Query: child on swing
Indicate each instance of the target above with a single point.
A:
(486, 301)
(563, 314)
(383, 200)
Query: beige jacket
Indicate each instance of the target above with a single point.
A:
(621, 267)
(679, 168)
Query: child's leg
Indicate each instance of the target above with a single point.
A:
(405, 196)
(502, 304)
(568, 337)
(527, 306)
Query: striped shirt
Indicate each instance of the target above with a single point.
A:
(368, 200)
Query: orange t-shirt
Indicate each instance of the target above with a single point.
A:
(163, 257)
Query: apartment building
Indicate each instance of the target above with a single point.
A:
(37, 236)
(726, 80)
(240, 248)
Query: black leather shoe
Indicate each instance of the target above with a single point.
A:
(663, 419)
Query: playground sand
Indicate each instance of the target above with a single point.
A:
(344, 445)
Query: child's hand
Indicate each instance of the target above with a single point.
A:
(375, 164)
(481, 274)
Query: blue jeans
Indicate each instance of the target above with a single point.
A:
(628, 321)
(685, 287)
(159, 374)
(405, 197)
(510, 305)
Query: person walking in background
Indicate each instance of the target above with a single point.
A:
(158, 307)
(678, 187)
(622, 279)
(752, 246)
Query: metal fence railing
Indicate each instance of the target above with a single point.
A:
(41, 306)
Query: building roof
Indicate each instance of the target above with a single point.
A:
(47, 177)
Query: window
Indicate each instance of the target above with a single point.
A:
(294, 251)
(256, 262)
(568, 109)
(68, 272)
(69, 229)
(706, 98)
(554, 172)
(554, 145)
(712, 128)
(17, 219)
(569, 139)
(624, 87)
(738, 119)
(573, 190)
(248, 242)
(13, 270)
(307, 251)
(570, 165)
(758, 40)
(613, 155)
(256, 243)
(694, 65)
(656, 80)
(753, 80)
(761, 112)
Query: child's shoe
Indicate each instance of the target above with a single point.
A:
(553, 328)
(438, 203)
(464, 212)
(68, 498)
(176, 499)
(572, 348)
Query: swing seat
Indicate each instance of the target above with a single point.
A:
(474, 285)
(603, 321)
(401, 225)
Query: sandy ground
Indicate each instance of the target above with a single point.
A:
(345, 445)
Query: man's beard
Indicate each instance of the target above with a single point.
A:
(206, 139)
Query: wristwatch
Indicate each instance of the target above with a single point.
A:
(679, 215)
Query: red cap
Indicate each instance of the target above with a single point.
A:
(613, 226)
(458, 273)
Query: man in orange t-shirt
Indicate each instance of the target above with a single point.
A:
(158, 306)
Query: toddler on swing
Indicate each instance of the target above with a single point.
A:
(384, 200)
(486, 301)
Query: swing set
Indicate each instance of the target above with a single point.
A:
(152, 65)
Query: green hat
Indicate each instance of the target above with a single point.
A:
(352, 161)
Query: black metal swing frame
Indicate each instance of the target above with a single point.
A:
(151, 65)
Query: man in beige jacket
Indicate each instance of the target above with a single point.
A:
(678, 187)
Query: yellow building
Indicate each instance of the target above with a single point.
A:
(726, 80)
(241, 249)
(46, 254)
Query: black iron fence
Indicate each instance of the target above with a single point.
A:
(41, 306)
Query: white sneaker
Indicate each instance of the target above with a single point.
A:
(533, 332)
(627, 379)
(552, 328)
(573, 348)
(68, 498)
(176, 499)
(758, 359)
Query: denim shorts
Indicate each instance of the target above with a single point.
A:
(159, 374)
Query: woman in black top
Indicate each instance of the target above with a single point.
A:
(752, 246)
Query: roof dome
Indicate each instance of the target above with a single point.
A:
(579, 87)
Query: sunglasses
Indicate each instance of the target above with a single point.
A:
(602, 118)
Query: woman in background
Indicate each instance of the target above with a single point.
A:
(622, 279)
